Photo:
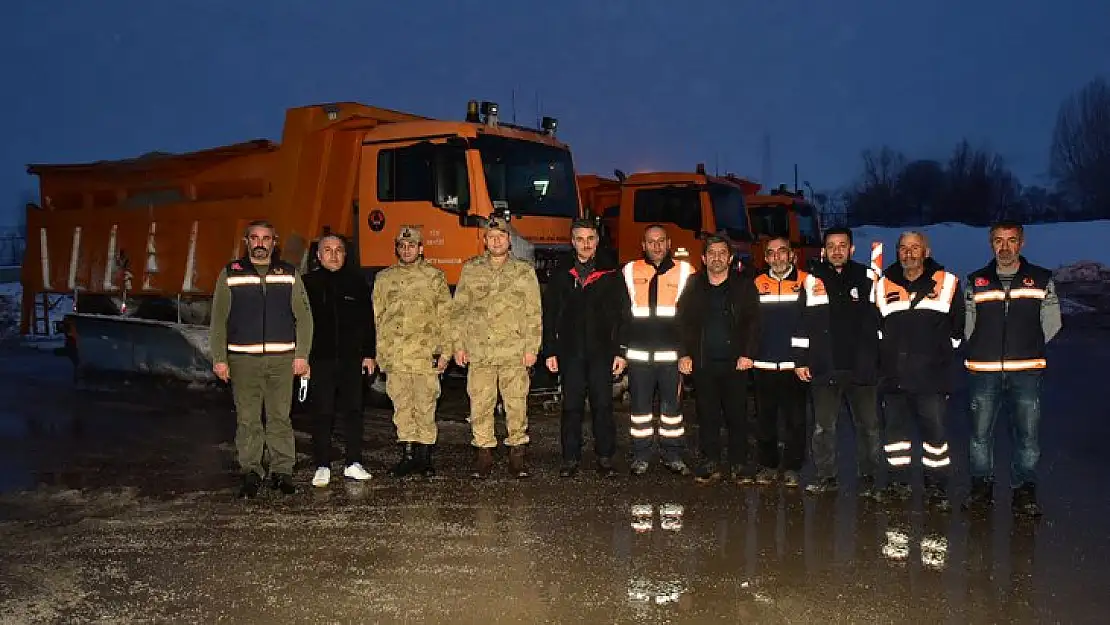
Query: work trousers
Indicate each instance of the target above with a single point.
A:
(989, 390)
(905, 410)
(336, 387)
(644, 379)
(414, 397)
(780, 395)
(721, 398)
(263, 381)
(863, 402)
(482, 384)
(583, 377)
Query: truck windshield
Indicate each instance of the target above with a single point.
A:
(771, 220)
(529, 179)
(807, 224)
(729, 211)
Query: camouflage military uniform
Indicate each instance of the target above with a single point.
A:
(496, 321)
(411, 308)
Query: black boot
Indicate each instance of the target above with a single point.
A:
(250, 485)
(427, 468)
(981, 496)
(283, 482)
(408, 463)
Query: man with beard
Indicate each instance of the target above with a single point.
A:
(411, 305)
(921, 325)
(585, 317)
(342, 351)
(779, 392)
(1012, 312)
(261, 335)
(718, 314)
(837, 351)
(498, 327)
(655, 283)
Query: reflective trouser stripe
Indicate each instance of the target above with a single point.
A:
(935, 456)
(898, 453)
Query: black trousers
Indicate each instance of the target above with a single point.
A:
(926, 411)
(336, 387)
(863, 401)
(780, 394)
(721, 397)
(584, 377)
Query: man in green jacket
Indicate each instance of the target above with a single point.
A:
(498, 328)
(260, 338)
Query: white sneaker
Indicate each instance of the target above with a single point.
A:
(322, 477)
(356, 472)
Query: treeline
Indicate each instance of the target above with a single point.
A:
(974, 185)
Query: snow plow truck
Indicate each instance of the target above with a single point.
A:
(139, 243)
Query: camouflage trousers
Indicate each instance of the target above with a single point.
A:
(263, 382)
(482, 384)
(414, 397)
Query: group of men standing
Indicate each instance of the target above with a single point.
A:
(836, 330)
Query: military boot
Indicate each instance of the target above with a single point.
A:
(483, 463)
(427, 469)
(408, 463)
(518, 466)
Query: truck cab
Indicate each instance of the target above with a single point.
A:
(690, 205)
(784, 213)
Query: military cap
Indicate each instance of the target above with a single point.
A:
(497, 223)
(409, 234)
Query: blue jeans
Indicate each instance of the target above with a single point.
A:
(988, 392)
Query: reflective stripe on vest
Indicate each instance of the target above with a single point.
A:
(262, 348)
(892, 298)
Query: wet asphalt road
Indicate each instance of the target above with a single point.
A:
(118, 508)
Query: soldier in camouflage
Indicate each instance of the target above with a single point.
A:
(497, 332)
(411, 311)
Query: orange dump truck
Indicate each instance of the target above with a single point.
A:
(693, 205)
(139, 242)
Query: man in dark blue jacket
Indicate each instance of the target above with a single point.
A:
(585, 317)
(921, 323)
(838, 352)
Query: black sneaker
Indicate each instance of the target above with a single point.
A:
(605, 467)
(766, 476)
(897, 491)
(677, 466)
(822, 486)
(1025, 501)
(569, 468)
(707, 473)
(867, 488)
(284, 483)
(981, 496)
(743, 475)
(251, 482)
(936, 497)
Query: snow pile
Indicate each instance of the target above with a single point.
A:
(1083, 271)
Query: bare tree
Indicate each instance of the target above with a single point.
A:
(874, 200)
(980, 189)
(1080, 158)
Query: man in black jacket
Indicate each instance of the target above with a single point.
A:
(718, 318)
(837, 350)
(585, 316)
(342, 350)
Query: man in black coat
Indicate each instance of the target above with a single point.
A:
(718, 317)
(585, 317)
(838, 352)
(342, 351)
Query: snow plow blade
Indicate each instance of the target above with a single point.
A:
(125, 347)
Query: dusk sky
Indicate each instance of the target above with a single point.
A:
(635, 84)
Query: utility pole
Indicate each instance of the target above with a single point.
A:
(766, 159)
